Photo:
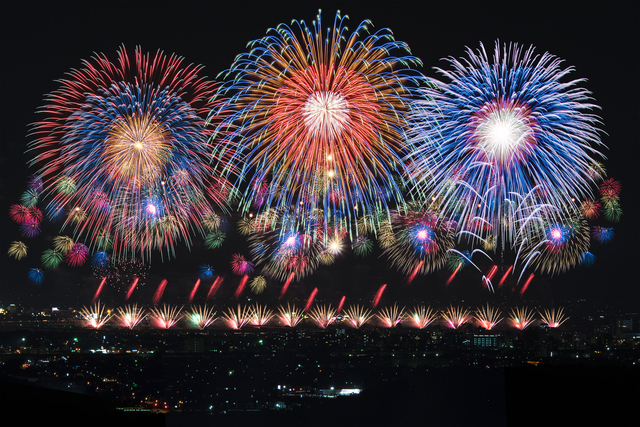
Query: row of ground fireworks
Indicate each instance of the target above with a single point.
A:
(355, 316)
(323, 140)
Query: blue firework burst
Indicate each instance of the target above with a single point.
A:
(206, 272)
(36, 276)
(504, 137)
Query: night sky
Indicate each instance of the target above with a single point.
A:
(41, 41)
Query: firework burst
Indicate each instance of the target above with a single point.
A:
(553, 318)
(416, 240)
(238, 318)
(422, 316)
(130, 316)
(455, 317)
(504, 128)
(320, 113)
(260, 315)
(323, 315)
(127, 145)
(166, 316)
(390, 317)
(357, 316)
(36, 275)
(488, 317)
(17, 250)
(201, 316)
(95, 316)
(290, 315)
(521, 318)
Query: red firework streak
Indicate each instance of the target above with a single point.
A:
(376, 299)
(526, 284)
(286, 285)
(341, 304)
(241, 286)
(453, 274)
(310, 300)
(131, 288)
(158, 295)
(95, 297)
(415, 272)
(214, 287)
(193, 291)
(504, 277)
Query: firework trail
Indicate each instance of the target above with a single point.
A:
(201, 316)
(320, 113)
(193, 291)
(488, 317)
(167, 316)
(526, 284)
(341, 304)
(133, 285)
(291, 315)
(521, 318)
(310, 300)
(378, 295)
(286, 285)
(157, 296)
(422, 316)
(124, 147)
(96, 316)
(455, 317)
(504, 276)
(500, 129)
(390, 317)
(241, 286)
(553, 318)
(453, 275)
(99, 290)
(357, 316)
(214, 287)
(130, 316)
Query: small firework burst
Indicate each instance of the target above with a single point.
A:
(240, 265)
(258, 284)
(36, 275)
(206, 272)
(214, 240)
(77, 255)
(361, 245)
(51, 258)
(17, 250)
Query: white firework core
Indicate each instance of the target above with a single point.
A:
(504, 134)
(325, 114)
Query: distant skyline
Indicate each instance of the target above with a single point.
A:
(41, 41)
